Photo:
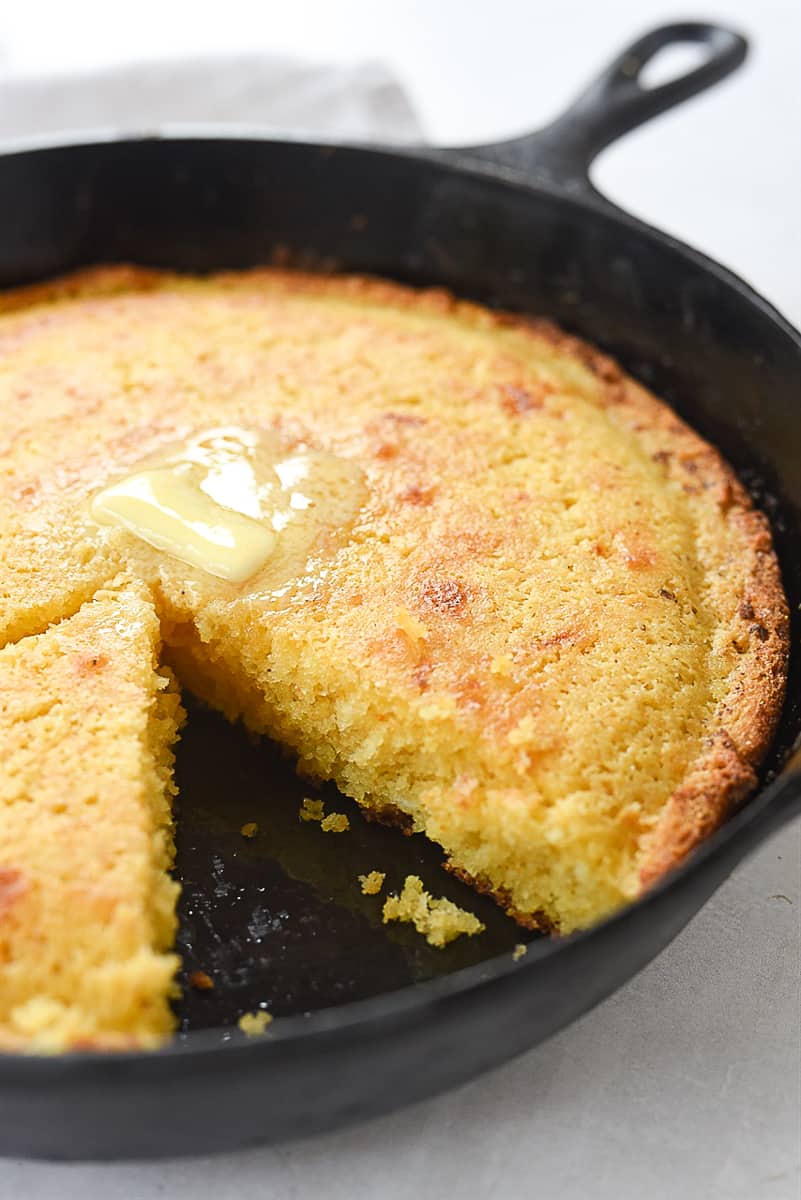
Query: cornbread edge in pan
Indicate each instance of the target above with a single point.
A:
(555, 638)
(86, 907)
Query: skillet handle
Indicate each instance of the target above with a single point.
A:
(614, 103)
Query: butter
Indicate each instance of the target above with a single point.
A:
(170, 512)
(230, 502)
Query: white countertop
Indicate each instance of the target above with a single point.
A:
(687, 1082)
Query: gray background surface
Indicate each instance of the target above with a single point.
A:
(687, 1083)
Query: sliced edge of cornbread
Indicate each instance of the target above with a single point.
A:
(87, 907)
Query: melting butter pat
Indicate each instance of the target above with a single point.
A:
(168, 510)
(231, 502)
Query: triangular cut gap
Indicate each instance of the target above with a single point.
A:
(278, 920)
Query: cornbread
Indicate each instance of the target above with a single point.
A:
(335, 823)
(311, 810)
(372, 882)
(522, 607)
(439, 920)
(254, 1024)
(86, 908)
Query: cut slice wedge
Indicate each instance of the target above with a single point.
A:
(87, 909)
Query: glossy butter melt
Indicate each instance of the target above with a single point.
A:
(228, 499)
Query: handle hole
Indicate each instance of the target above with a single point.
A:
(672, 62)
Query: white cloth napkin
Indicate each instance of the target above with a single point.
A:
(363, 102)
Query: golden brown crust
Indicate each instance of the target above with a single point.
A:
(714, 786)
(723, 777)
(747, 715)
(97, 281)
(538, 922)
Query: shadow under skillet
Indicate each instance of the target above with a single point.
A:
(279, 921)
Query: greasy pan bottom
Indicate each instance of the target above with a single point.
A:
(279, 920)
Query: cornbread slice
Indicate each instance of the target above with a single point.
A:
(86, 906)
(554, 638)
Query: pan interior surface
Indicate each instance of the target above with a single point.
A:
(279, 920)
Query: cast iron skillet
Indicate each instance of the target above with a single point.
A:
(368, 1017)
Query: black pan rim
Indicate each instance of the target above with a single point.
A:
(457, 161)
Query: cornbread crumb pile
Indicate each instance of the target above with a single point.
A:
(313, 810)
(549, 632)
(372, 882)
(441, 921)
(254, 1024)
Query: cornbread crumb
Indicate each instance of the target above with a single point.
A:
(439, 919)
(254, 1024)
(439, 708)
(411, 626)
(311, 810)
(249, 829)
(335, 823)
(372, 882)
(502, 665)
(519, 950)
(200, 981)
(522, 732)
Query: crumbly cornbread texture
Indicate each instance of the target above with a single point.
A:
(372, 882)
(254, 1024)
(438, 919)
(335, 823)
(554, 638)
(86, 906)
